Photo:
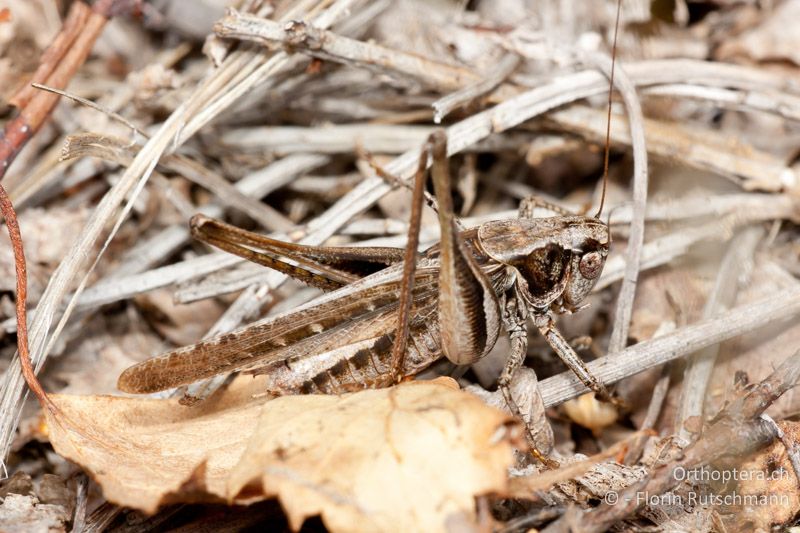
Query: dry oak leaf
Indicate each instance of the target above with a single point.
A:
(411, 457)
(146, 453)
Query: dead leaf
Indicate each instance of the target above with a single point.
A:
(768, 491)
(407, 458)
(773, 40)
(591, 413)
(19, 483)
(142, 451)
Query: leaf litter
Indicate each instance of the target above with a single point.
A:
(269, 134)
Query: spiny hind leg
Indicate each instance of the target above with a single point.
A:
(565, 352)
(409, 268)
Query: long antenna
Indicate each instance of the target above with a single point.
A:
(608, 119)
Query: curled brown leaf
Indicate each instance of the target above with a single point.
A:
(412, 457)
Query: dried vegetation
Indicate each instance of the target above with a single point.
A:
(265, 115)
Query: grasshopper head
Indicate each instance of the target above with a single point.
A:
(586, 263)
(559, 258)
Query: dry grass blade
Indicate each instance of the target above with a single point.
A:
(754, 169)
(633, 252)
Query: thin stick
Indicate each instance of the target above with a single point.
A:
(60, 61)
(243, 196)
(329, 46)
(771, 102)
(651, 417)
(76, 18)
(445, 105)
(784, 305)
(750, 167)
(7, 209)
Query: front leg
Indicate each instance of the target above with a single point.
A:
(514, 321)
(564, 351)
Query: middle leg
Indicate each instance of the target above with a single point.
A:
(514, 321)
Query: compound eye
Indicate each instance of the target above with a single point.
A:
(591, 265)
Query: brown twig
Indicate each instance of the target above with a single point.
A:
(67, 54)
(7, 209)
(59, 63)
(76, 18)
(116, 8)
